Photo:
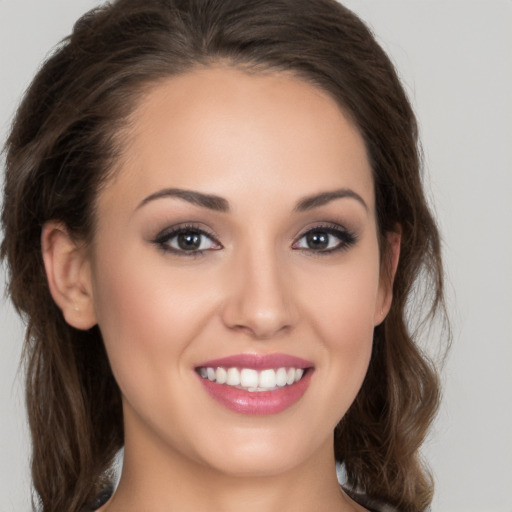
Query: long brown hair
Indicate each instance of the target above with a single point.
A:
(65, 141)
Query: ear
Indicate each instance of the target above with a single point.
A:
(387, 275)
(68, 272)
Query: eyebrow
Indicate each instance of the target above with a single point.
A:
(314, 201)
(209, 201)
(220, 204)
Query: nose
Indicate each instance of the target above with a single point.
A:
(261, 300)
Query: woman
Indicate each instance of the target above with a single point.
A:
(213, 220)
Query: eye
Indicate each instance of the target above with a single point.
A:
(187, 240)
(325, 239)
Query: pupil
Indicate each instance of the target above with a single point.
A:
(189, 241)
(318, 240)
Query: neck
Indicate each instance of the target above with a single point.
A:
(155, 477)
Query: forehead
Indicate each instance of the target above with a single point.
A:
(224, 131)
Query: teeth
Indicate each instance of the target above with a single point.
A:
(222, 375)
(281, 377)
(249, 378)
(233, 377)
(267, 379)
(253, 380)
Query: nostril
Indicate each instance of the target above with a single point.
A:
(260, 302)
(261, 332)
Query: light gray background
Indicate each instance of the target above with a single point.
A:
(456, 61)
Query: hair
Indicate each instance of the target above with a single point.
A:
(65, 141)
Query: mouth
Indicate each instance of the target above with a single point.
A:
(253, 380)
(256, 384)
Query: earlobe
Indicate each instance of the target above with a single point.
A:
(68, 274)
(387, 275)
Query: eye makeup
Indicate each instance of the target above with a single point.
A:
(325, 238)
(186, 240)
(190, 239)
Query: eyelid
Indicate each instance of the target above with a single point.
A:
(167, 234)
(346, 236)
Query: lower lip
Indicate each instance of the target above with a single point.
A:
(258, 402)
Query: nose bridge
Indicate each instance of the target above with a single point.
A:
(261, 301)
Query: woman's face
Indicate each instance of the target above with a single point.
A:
(238, 243)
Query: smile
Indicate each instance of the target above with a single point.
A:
(253, 380)
(256, 384)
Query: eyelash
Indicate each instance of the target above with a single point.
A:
(165, 237)
(345, 237)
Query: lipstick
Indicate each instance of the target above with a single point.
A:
(256, 384)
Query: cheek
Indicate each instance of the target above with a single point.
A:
(344, 300)
(342, 315)
(146, 316)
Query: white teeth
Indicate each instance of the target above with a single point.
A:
(267, 379)
(233, 378)
(281, 377)
(253, 380)
(222, 375)
(249, 378)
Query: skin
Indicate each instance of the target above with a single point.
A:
(262, 143)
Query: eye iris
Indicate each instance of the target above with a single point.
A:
(317, 240)
(189, 241)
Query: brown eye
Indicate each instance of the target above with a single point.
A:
(186, 241)
(318, 240)
(325, 240)
(189, 241)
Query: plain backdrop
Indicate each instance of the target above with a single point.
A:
(455, 58)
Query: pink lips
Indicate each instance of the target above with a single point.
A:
(258, 361)
(260, 402)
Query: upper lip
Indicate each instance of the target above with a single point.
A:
(257, 361)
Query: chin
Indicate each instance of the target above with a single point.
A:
(260, 466)
(261, 454)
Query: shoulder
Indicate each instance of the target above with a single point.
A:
(370, 504)
(99, 501)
